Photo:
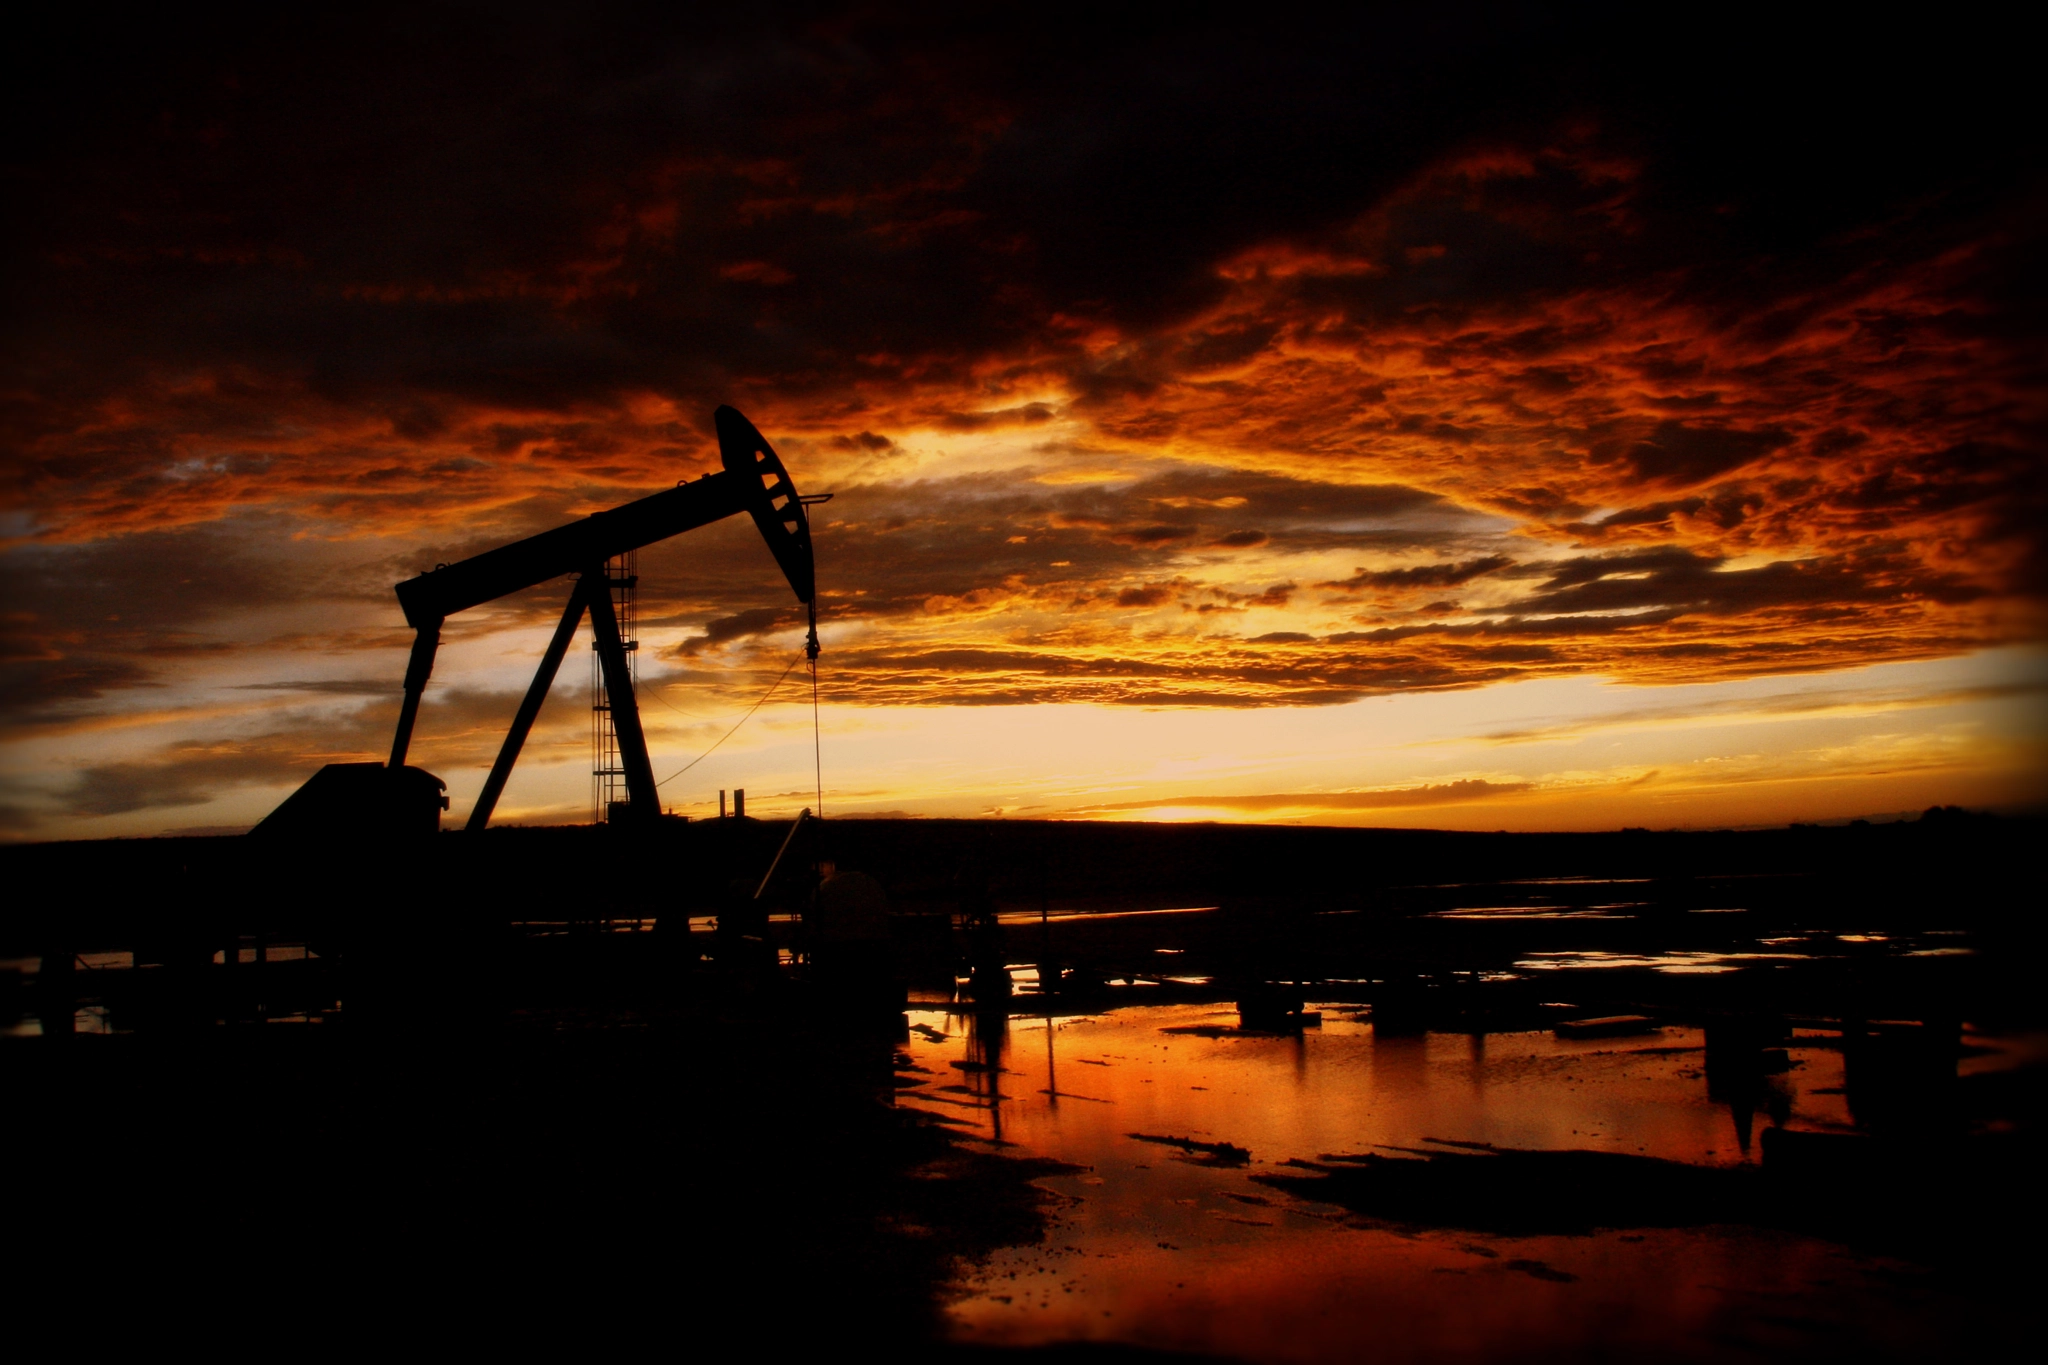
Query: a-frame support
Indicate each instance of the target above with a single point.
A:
(529, 709)
(592, 593)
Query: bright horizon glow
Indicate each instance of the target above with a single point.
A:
(1526, 465)
(1560, 753)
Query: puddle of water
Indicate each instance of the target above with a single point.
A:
(1179, 1247)
(1075, 1092)
(1491, 912)
(1335, 1292)
(1674, 963)
(1061, 916)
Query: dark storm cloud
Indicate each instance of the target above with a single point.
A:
(1678, 455)
(1000, 417)
(1435, 794)
(1245, 509)
(405, 276)
(329, 687)
(1159, 533)
(185, 775)
(1673, 579)
(38, 689)
(897, 548)
(84, 622)
(408, 207)
(458, 728)
(1293, 513)
(743, 625)
(1230, 674)
(155, 581)
(1422, 575)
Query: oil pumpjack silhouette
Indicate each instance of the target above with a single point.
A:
(392, 798)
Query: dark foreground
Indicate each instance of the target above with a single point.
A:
(581, 1179)
(472, 1095)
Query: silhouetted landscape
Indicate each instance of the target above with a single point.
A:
(1391, 665)
(413, 1087)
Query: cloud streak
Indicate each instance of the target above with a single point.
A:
(1448, 793)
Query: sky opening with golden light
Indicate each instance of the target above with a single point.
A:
(1476, 420)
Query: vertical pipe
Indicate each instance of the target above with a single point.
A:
(1052, 1083)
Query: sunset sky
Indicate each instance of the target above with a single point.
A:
(1467, 417)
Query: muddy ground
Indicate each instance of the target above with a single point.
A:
(579, 1176)
(474, 1143)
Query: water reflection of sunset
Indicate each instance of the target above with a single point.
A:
(1173, 1248)
(1340, 1088)
(1504, 541)
(1336, 1293)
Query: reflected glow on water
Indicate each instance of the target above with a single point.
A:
(1169, 1248)
(1340, 1088)
(1671, 964)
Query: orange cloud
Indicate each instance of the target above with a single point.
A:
(1174, 386)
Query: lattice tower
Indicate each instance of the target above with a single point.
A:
(607, 772)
